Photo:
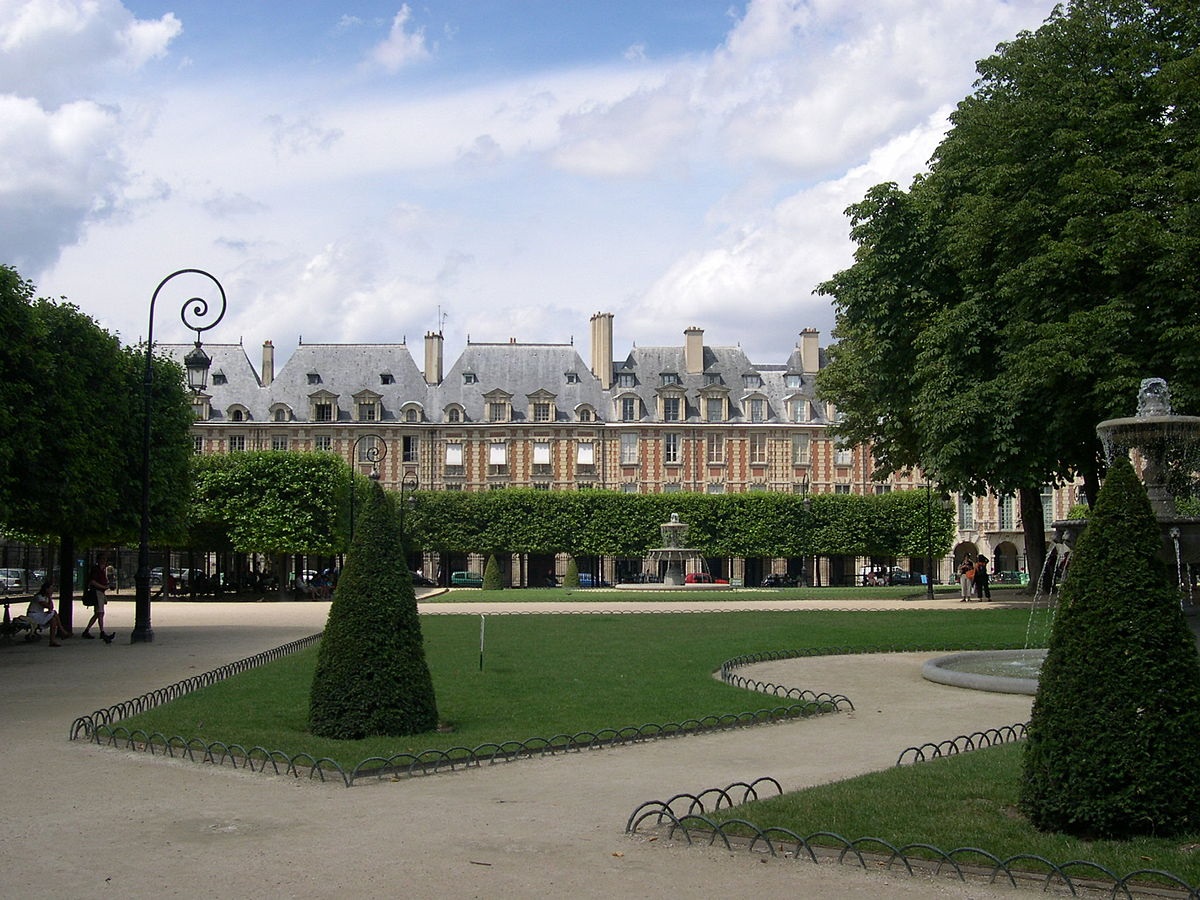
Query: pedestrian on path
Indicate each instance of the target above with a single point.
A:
(983, 588)
(966, 575)
(98, 585)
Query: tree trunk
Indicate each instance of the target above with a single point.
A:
(1030, 499)
(66, 579)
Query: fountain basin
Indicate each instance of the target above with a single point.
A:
(999, 671)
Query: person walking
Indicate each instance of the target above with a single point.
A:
(966, 573)
(983, 588)
(98, 585)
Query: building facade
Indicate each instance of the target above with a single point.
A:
(693, 417)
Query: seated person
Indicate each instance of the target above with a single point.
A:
(41, 613)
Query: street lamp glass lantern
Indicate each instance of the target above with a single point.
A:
(197, 363)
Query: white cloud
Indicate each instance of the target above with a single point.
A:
(770, 264)
(401, 47)
(56, 49)
(705, 190)
(58, 171)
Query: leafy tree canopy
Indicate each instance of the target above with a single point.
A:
(1016, 294)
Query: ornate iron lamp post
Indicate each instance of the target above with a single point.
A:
(197, 316)
(408, 484)
(373, 454)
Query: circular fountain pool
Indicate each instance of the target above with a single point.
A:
(1002, 671)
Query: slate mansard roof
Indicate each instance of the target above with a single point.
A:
(520, 373)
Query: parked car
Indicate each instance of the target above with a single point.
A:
(775, 580)
(697, 578)
(588, 580)
(466, 579)
(12, 580)
(1010, 578)
(420, 580)
(899, 576)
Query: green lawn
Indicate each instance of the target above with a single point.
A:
(552, 674)
(968, 800)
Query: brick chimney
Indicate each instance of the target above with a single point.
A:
(602, 348)
(693, 350)
(810, 351)
(268, 363)
(433, 357)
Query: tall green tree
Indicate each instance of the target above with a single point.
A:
(20, 355)
(371, 676)
(1019, 291)
(275, 502)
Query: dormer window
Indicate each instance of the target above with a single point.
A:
(387, 378)
(756, 408)
(712, 378)
(752, 381)
(239, 413)
(587, 414)
(541, 406)
(572, 378)
(280, 413)
(714, 409)
(668, 378)
(322, 407)
(454, 414)
(410, 415)
(626, 380)
(630, 408)
(792, 381)
(470, 378)
(672, 409)
(202, 406)
(219, 378)
(498, 404)
(368, 406)
(314, 378)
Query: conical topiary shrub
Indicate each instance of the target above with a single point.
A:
(493, 578)
(371, 675)
(1115, 731)
(571, 578)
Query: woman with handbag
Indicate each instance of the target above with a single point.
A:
(966, 574)
(96, 590)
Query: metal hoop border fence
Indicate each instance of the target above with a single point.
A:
(685, 814)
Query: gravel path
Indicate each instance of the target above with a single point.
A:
(80, 820)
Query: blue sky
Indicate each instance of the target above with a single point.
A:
(348, 170)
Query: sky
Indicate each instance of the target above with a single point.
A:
(494, 169)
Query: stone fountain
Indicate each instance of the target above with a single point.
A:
(676, 560)
(1166, 446)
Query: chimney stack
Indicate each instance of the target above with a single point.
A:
(693, 350)
(433, 357)
(810, 351)
(602, 348)
(268, 363)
